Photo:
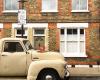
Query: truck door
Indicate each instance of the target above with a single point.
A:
(13, 59)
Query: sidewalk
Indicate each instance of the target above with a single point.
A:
(12, 78)
(84, 70)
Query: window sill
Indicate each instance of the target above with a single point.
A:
(10, 11)
(21, 35)
(49, 11)
(74, 55)
(38, 35)
(80, 11)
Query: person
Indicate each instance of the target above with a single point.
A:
(41, 48)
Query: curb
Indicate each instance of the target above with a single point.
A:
(84, 70)
(87, 66)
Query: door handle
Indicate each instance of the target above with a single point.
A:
(3, 55)
(35, 58)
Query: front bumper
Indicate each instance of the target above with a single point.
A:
(66, 77)
(66, 74)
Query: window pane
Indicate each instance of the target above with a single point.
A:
(81, 31)
(62, 37)
(14, 4)
(79, 4)
(83, 4)
(53, 4)
(19, 31)
(82, 47)
(49, 4)
(82, 38)
(19, 47)
(74, 31)
(39, 42)
(72, 47)
(69, 31)
(44, 4)
(62, 47)
(11, 5)
(39, 31)
(75, 4)
(62, 32)
(12, 47)
(71, 37)
(7, 5)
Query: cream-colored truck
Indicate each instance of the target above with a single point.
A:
(18, 58)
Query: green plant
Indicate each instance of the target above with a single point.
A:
(7, 32)
(52, 40)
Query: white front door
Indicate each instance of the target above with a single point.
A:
(72, 42)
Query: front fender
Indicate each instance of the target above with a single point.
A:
(36, 66)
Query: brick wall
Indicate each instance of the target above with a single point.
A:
(1, 7)
(64, 13)
(1, 33)
(93, 39)
(7, 29)
(53, 37)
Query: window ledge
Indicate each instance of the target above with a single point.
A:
(80, 11)
(74, 55)
(21, 35)
(39, 35)
(52, 11)
(10, 11)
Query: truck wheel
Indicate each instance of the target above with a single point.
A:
(48, 75)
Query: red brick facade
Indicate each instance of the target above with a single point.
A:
(53, 27)
(6, 28)
(1, 7)
(64, 15)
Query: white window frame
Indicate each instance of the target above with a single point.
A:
(45, 10)
(72, 26)
(87, 10)
(1, 25)
(17, 26)
(32, 26)
(9, 11)
(39, 34)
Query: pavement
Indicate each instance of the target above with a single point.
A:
(75, 71)
(84, 70)
(12, 78)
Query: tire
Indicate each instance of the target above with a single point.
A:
(66, 78)
(48, 75)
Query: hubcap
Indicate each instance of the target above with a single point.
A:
(49, 77)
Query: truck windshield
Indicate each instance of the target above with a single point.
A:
(27, 44)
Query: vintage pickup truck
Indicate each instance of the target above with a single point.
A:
(18, 58)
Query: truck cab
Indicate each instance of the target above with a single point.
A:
(18, 58)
